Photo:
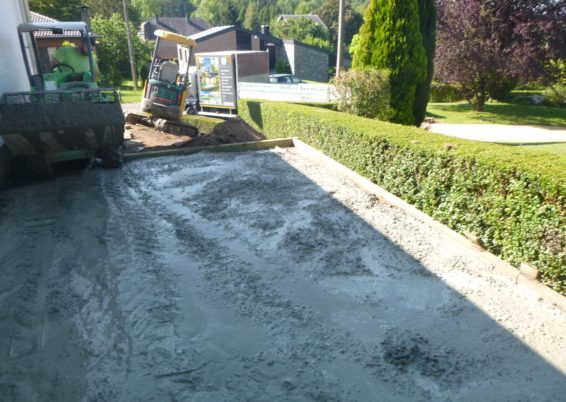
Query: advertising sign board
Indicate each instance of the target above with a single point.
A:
(216, 81)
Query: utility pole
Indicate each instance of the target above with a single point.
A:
(130, 46)
(340, 53)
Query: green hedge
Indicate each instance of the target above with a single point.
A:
(204, 124)
(514, 199)
(440, 92)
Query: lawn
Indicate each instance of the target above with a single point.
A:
(128, 95)
(556, 149)
(497, 113)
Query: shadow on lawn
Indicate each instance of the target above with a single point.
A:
(505, 113)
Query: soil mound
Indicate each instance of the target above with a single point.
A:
(231, 131)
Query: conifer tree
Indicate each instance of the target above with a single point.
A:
(427, 16)
(390, 38)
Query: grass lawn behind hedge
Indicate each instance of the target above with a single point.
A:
(130, 96)
(497, 113)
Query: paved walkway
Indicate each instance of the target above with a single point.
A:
(501, 133)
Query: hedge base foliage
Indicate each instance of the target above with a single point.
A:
(364, 93)
(204, 124)
(513, 199)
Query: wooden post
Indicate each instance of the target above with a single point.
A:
(130, 46)
(340, 52)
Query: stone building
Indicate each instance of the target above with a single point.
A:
(307, 62)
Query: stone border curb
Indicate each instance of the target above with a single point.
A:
(241, 146)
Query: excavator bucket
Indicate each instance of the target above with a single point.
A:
(41, 128)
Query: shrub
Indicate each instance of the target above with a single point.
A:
(555, 95)
(440, 92)
(500, 89)
(283, 67)
(513, 198)
(364, 93)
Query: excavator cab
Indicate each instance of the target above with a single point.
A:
(65, 116)
(166, 88)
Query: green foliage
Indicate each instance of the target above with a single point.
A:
(218, 12)
(427, 17)
(112, 49)
(204, 124)
(364, 93)
(555, 95)
(440, 92)
(63, 10)
(353, 20)
(303, 30)
(252, 18)
(166, 8)
(514, 199)
(390, 38)
(500, 87)
(283, 67)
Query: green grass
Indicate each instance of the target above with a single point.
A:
(127, 93)
(497, 113)
(555, 149)
(130, 96)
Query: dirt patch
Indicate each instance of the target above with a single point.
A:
(234, 130)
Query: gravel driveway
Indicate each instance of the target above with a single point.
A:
(257, 276)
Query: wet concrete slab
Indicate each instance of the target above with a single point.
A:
(254, 276)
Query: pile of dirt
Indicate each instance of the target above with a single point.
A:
(145, 138)
(231, 131)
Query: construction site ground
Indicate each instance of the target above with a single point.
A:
(140, 138)
(254, 276)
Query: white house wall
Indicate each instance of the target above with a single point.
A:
(13, 77)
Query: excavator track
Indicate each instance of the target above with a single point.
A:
(175, 127)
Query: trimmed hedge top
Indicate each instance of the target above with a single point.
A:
(543, 164)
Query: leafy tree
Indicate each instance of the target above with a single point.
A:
(427, 16)
(390, 38)
(166, 8)
(328, 13)
(486, 44)
(112, 49)
(251, 18)
(105, 8)
(64, 10)
(217, 12)
(303, 30)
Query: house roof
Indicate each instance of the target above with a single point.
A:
(313, 17)
(209, 33)
(36, 18)
(179, 25)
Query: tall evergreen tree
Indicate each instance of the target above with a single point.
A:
(427, 16)
(390, 38)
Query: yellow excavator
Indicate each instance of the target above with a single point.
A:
(165, 90)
